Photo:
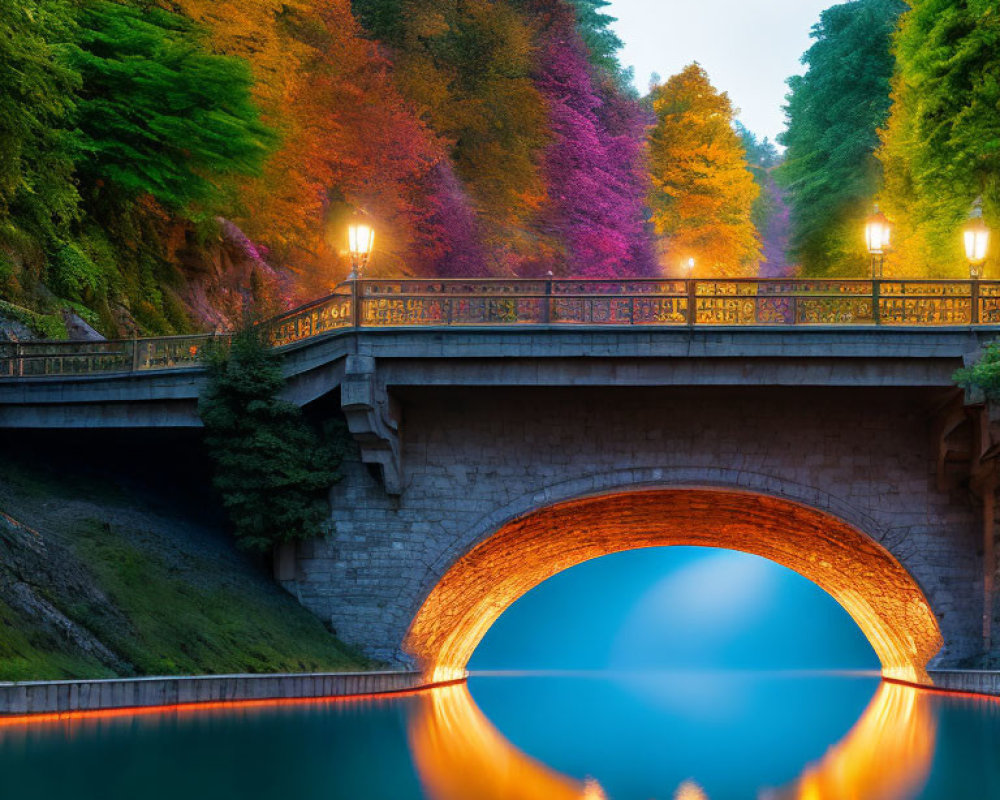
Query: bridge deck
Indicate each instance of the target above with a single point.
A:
(595, 356)
(563, 304)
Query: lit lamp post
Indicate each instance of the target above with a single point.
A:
(360, 241)
(877, 237)
(977, 241)
(692, 291)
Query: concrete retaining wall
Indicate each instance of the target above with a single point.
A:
(967, 680)
(48, 697)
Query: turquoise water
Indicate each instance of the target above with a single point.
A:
(627, 737)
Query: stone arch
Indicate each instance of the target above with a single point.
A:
(871, 585)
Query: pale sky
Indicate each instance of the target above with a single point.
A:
(748, 47)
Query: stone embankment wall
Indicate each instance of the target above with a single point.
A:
(57, 697)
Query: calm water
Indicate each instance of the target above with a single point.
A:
(627, 738)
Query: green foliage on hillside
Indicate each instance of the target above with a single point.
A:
(116, 123)
(941, 148)
(835, 111)
(157, 114)
(273, 469)
(37, 148)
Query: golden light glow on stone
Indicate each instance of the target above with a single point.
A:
(883, 599)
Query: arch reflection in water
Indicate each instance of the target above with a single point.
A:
(459, 754)
(885, 756)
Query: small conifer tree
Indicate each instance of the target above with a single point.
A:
(272, 468)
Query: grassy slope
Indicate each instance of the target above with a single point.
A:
(161, 589)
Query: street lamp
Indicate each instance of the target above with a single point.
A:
(360, 241)
(878, 232)
(977, 240)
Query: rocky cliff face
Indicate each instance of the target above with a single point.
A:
(227, 276)
(213, 283)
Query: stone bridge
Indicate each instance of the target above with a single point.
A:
(490, 459)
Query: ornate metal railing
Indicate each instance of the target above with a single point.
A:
(500, 303)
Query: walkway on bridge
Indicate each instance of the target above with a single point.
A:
(429, 303)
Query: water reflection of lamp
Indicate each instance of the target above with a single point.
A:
(689, 790)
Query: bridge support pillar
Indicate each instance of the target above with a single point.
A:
(373, 419)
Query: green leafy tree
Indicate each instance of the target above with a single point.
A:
(835, 111)
(272, 468)
(37, 90)
(762, 157)
(941, 148)
(158, 114)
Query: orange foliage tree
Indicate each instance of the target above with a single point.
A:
(702, 192)
(349, 140)
(467, 66)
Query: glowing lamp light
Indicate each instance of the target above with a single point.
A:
(360, 243)
(977, 240)
(689, 265)
(878, 233)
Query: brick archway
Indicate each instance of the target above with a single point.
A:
(871, 585)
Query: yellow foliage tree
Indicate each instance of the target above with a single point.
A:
(702, 190)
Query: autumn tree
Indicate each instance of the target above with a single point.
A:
(941, 147)
(467, 67)
(834, 111)
(702, 193)
(594, 208)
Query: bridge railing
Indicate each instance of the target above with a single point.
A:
(564, 302)
(735, 301)
(40, 359)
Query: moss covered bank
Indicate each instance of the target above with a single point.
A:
(114, 560)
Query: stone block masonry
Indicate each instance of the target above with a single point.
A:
(469, 434)
(476, 460)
